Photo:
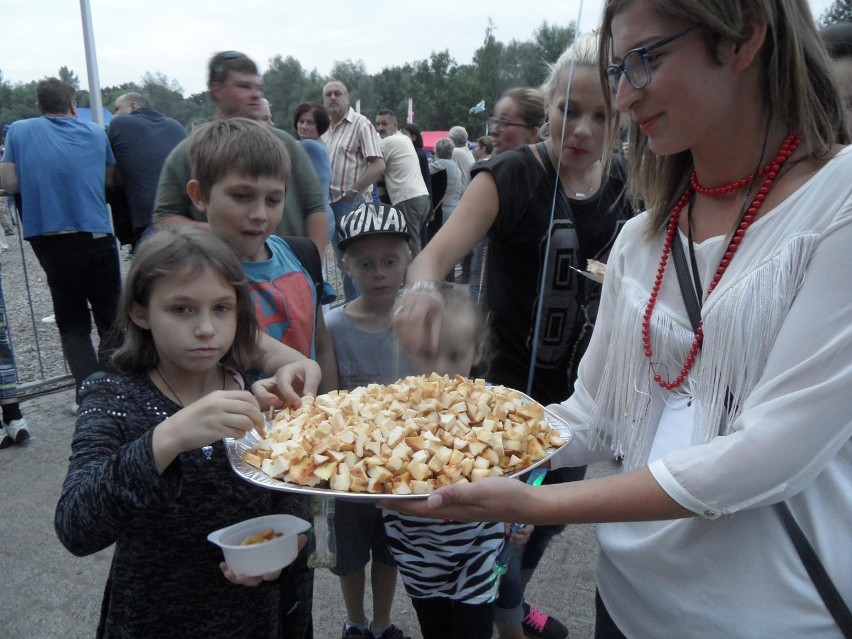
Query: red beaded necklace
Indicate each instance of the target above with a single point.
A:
(719, 191)
(770, 171)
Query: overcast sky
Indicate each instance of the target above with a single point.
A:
(177, 37)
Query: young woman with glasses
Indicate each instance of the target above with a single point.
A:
(719, 365)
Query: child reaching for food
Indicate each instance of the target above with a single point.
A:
(149, 471)
(447, 567)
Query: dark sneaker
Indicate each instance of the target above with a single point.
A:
(354, 631)
(392, 632)
(5, 440)
(540, 625)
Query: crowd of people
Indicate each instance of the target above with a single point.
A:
(721, 393)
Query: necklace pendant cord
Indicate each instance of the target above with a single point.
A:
(180, 402)
(207, 451)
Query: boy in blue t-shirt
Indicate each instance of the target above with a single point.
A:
(239, 178)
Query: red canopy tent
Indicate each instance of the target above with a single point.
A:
(430, 137)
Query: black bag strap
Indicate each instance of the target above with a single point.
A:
(687, 289)
(309, 256)
(825, 587)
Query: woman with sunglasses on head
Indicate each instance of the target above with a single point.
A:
(544, 207)
(720, 362)
(518, 116)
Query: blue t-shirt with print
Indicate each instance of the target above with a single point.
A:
(284, 297)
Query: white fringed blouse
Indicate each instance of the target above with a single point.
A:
(765, 416)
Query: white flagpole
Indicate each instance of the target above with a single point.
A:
(95, 100)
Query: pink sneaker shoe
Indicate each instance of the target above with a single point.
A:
(540, 625)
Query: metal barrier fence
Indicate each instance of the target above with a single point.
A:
(29, 311)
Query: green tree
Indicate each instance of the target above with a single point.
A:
(392, 88)
(18, 101)
(5, 93)
(284, 83)
(164, 95)
(487, 62)
(522, 65)
(67, 75)
(552, 40)
(312, 89)
(199, 110)
(431, 81)
(839, 11)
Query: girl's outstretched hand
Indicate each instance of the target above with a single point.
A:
(227, 413)
(290, 383)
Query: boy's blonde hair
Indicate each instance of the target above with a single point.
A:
(241, 145)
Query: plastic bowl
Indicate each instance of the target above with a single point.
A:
(254, 560)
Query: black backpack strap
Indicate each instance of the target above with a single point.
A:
(309, 256)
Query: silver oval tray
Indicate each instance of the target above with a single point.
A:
(237, 447)
(589, 274)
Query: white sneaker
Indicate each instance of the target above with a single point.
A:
(18, 431)
(5, 440)
(50, 319)
(73, 408)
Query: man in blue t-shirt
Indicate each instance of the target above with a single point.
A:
(59, 166)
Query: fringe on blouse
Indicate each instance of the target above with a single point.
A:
(741, 323)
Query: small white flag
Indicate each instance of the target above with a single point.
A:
(410, 116)
(358, 105)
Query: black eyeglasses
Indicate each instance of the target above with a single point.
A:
(636, 64)
(493, 122)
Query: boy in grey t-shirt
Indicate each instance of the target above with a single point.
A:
(374, 242)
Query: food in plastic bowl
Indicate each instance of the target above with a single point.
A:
(255, 559)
